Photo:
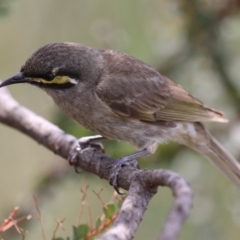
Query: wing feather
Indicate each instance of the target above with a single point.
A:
(132, 89)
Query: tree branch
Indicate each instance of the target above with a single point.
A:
(142, 184)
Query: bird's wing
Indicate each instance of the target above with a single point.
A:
(132, 89)
(185, 107)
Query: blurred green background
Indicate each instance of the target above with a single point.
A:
(196, 43)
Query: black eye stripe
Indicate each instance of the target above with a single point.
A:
(48, 77)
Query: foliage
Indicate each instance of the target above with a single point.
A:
(4, 7)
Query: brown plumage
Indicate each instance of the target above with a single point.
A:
(120, 97)
(148, 95)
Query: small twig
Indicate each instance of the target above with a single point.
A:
(10, 222)
(102, 227)
(86, 186)
(98, 195)
(59, 224)
(24, 236)
(83, 202)
(39, 217)
(9, 219)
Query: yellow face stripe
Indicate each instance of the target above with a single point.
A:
(58, 80)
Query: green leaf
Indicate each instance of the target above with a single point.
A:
(80, 232)
(98, 223)
(109, 210)
(58, 238)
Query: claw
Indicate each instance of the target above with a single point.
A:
(120, 163)
(98, 146)
(117, 190)
(72, 159)
(83, 143)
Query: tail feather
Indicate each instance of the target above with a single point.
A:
(207, 145)
(224, 161)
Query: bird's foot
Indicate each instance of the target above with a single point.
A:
(83, 143)
(120, 163)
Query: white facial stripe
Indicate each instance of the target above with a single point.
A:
(72, 80)
(34, 79)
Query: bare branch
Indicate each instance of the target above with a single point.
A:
(142, 184)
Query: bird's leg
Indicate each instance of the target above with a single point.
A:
(124, 161)
(89, 141)
(83, 143)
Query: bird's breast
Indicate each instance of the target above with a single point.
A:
(89, 111)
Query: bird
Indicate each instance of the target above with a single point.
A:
(122, 98)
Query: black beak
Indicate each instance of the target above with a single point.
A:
(18, 78)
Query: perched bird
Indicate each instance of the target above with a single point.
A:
(123, 98)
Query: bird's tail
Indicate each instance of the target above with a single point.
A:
(224, 161)
(216, 153)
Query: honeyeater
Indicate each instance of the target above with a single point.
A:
(120, 97)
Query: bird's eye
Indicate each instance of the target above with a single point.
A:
(49, 76)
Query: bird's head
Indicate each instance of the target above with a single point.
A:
(54, 66)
